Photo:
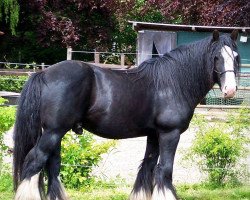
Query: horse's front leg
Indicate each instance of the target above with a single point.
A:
(143, 186)
(163, 188)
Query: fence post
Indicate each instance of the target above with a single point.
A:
(43, 67)
(122, 59)
(69, 53)
(97, 57)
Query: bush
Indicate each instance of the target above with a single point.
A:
(79, 155)
(12, 83)
(6, 182)
(7, 118)
(219, 147)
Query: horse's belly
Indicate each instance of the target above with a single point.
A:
(115, 130)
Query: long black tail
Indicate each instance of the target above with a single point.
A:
(28, 123)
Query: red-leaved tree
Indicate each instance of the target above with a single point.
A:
(68, 21)
(204, 12)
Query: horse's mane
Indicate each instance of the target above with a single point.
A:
(187, 66)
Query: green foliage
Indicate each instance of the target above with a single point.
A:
(218, 147)
(240, 121)
(7, 118)
(9, 10)
(80, 154)
(6, 186)
(12, 83)
(6, 182)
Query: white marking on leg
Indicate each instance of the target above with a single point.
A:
(28, 189)
(165, 194)
(140, 195)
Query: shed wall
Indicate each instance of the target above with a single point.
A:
(166, 40)
(244, 47)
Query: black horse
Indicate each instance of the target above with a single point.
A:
(156, 100)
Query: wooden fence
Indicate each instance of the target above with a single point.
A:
(97, 59)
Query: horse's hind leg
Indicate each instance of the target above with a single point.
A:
(143, 186)
(55, 189)
(35, 161)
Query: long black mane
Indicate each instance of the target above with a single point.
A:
(191, 66)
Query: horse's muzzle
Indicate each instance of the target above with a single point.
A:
(229, 92)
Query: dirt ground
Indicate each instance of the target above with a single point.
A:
(123, 160)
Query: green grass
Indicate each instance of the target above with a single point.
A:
(103, 191)
(184, 193)
(199, 192)
(100, 194)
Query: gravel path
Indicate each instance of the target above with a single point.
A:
(124, 159)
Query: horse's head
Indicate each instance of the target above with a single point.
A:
(226, 63)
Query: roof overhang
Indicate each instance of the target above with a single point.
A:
(138, 26)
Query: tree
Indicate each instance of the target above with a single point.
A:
(84, 25)
(70, 22)
(89, 24)
(203, 12)
(9, 13)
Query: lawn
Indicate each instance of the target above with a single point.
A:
(190, 193)
(121, 192)
(239, 193)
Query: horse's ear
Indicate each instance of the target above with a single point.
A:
(216, 35)
(234, 35)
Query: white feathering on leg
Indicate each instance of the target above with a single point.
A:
(28, 189)
(140, 195)
(165, 194)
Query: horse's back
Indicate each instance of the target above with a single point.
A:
(68, 70)
(120, 107)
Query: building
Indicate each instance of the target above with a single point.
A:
(157, 38)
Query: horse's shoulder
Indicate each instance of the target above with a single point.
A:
(174, 116)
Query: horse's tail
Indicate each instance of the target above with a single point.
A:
(28, 128)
